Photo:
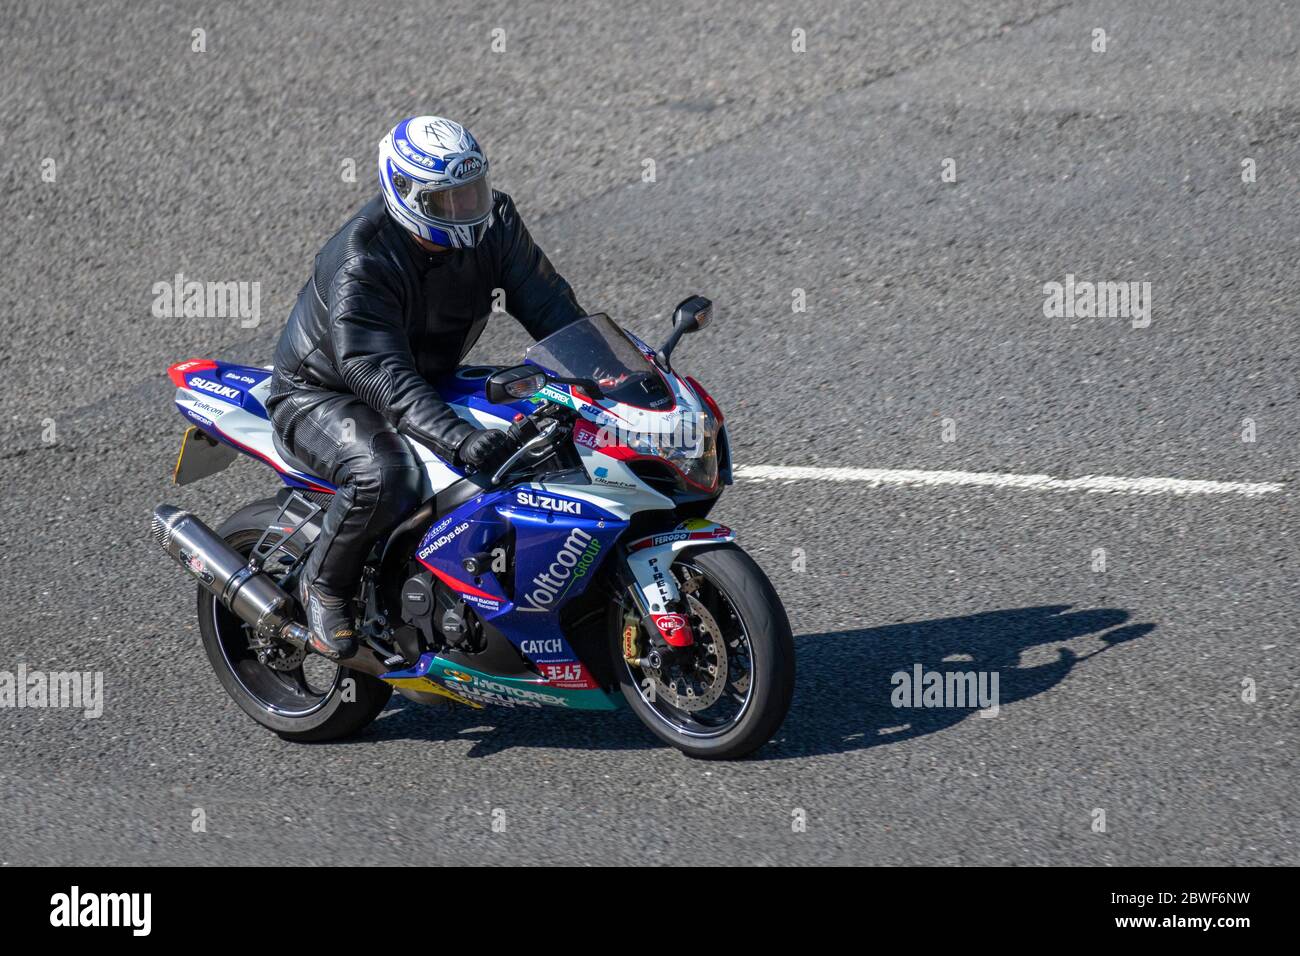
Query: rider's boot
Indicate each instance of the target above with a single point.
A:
(331, 630)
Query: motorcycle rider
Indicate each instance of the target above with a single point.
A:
(397, 297)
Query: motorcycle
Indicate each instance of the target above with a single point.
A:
(582, 573)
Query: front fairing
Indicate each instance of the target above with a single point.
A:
(677, 448)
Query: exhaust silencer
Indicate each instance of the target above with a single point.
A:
(251, 595)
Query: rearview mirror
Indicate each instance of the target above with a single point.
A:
(691, 315)
(514, 383)
(694, 313)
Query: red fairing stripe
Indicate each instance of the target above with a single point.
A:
(623, 453)
(178, 371)
(456, 585)
(706, 398)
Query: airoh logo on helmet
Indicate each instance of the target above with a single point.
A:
(467, 167)
(414, 155)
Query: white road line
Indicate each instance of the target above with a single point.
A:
(1097, 484)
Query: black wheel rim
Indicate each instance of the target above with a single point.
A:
(295, 693)
(737, 695)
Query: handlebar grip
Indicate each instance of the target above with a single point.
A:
(523, 431)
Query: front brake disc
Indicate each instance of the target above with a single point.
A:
(698, 683)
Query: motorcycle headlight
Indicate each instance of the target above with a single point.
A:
(688, 442)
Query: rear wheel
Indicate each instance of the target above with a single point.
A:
(725, 696)
(301, 696)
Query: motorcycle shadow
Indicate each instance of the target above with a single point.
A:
(844, 688)
(494, 730)
(850, 681)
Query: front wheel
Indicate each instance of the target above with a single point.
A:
(728, 694)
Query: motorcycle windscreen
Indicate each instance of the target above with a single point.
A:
(595, 347)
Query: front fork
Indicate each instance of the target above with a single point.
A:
(663, 609)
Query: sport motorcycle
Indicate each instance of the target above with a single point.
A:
(583, 572)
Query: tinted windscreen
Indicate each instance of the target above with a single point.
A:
(594, 347)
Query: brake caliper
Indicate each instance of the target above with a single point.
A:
(631, 639)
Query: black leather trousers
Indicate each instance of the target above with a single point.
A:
(348, 443)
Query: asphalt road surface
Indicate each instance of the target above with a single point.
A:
(1157, 696)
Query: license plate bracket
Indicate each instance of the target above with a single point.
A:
(201, 456)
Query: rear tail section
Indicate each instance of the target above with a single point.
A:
(228, 403)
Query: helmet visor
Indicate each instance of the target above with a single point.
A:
(463, 203)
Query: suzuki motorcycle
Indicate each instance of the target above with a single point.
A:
(582, 573)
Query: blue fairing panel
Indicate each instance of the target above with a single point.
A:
(223, 381)
(559, 545)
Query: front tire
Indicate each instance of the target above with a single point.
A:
(309, 703)
(741, 606)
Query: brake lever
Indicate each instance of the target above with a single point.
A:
(543, 435)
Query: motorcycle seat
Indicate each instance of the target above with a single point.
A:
(292, 460)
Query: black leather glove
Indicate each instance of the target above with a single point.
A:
(484, 449)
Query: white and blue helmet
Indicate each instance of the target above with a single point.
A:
(434, 178)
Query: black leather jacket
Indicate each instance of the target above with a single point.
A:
(380, 317)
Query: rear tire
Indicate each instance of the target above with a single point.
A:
(315, 711)
(771, 650)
